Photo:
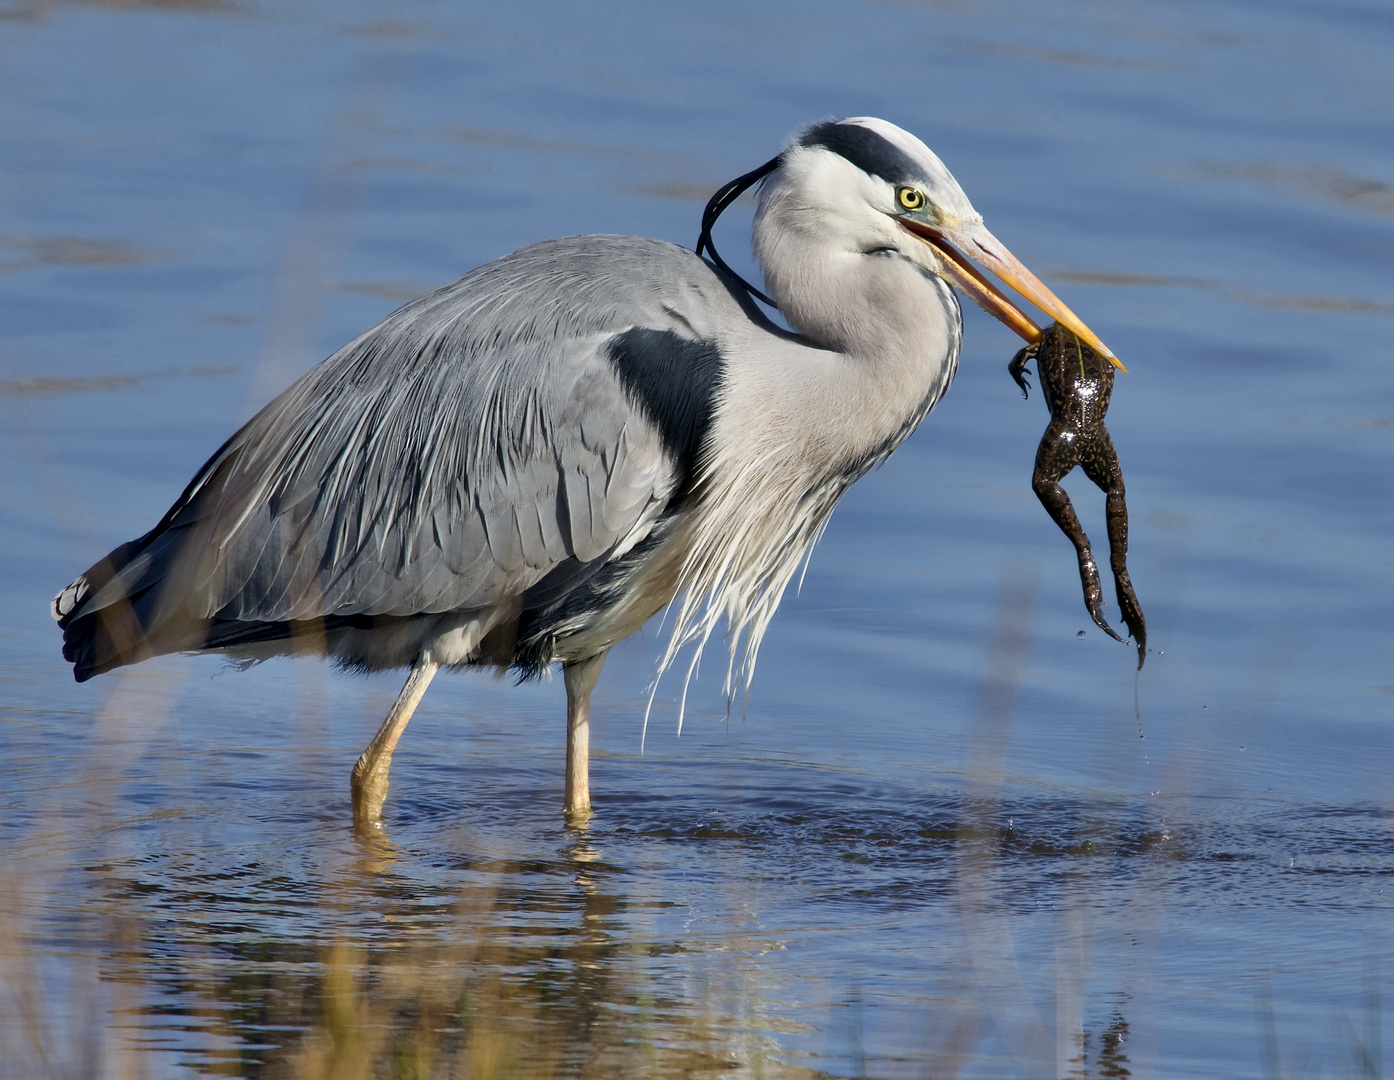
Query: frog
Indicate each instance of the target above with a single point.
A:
(1077, 383)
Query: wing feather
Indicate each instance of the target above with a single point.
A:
(452, 457)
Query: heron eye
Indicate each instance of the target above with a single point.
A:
(909, 198)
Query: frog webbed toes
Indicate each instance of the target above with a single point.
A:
(1095, 606)
(1132, 615)
(1017, 368)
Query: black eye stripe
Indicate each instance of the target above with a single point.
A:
(868, 151)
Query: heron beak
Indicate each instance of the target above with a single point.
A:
(981, 246)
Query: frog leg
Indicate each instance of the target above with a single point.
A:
(1017, 367)
(1100, 462)
(1055, 457)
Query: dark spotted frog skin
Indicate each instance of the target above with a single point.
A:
(1077, 382)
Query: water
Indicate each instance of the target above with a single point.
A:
(947, 836)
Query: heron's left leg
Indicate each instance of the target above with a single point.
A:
(581, 677)
(369, 780)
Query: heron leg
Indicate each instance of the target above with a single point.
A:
(581, 677)
(369, 780)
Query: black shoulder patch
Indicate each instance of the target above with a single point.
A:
(868, 151)
(675, 381)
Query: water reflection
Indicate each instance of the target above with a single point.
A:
(37, 251)
(35, 10)
(58, 385)
(937, 846)
(527, 972)
(669, 938)
(1065, 57)
(1318, 182)
(1110, 1060)
(1342, 305)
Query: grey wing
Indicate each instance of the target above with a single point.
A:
(507, 429)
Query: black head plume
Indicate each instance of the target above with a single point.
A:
(725, 196)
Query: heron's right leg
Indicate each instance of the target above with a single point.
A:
(369, 780)
(581, 677)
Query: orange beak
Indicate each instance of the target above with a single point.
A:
(986, 249)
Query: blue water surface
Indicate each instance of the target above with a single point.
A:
(946, 835)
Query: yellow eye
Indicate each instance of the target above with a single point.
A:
(909, 198)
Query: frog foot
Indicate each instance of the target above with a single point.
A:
(1017, 367)
(1094, 593)
(1132, 615)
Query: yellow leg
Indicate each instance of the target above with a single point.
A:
(581, 677)
(369, 780)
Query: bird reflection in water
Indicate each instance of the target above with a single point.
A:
(1111, 1060)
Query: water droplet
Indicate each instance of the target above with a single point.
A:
(1080, 634)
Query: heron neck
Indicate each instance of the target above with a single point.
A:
(899, 324)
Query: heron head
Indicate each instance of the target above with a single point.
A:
(872, 187)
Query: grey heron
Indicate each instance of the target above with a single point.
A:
(522, 467)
